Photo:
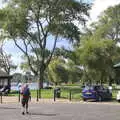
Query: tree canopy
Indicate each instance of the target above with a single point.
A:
(108, 24)
(31, 23)
(99, 50)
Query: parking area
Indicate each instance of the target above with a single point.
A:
(61, 111)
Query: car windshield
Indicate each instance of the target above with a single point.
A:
(88, 88)
(94, 88)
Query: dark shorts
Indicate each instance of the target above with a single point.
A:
(24, 101)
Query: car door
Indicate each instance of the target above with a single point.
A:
(106, 93)
(102, 92)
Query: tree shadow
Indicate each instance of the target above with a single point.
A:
(7, 108)
(43, 114)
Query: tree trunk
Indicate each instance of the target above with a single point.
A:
(41, 80)
(110, 81)
(40, 83)
(102, 79)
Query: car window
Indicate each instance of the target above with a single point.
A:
(97, 87)
(101, 88)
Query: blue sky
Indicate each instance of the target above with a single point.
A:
(10, 48)
(97, 8)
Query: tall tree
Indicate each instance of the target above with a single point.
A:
(108, 24)
(74, 74)
(96, 56)
(32, 22)
(6, 63)
(98, 48)
(57, 72)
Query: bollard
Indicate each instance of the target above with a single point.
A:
(39, 93)
(19, 96)
(70, 95)
(37, 97)
(1, 97)
(54, 95)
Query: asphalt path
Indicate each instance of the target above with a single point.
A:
(61, 111)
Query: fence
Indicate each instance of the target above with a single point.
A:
(65, 93)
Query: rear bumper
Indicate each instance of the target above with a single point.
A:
(89, 97)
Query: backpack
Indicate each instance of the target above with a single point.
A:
(26, 92)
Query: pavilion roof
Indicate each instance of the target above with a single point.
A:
(117, 65)
(4, 74)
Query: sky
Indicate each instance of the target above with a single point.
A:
(97, 7)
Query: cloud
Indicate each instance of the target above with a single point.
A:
(0, 3)
(3, 3)
(99, 6)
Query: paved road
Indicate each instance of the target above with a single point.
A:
(62, 111)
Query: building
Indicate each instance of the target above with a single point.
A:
(5, 79)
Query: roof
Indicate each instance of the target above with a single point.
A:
(116, 65)
(4, 74)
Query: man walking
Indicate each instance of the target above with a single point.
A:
(25, 92)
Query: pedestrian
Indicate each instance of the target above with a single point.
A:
(25, 93)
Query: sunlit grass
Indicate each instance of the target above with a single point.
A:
(65, 93)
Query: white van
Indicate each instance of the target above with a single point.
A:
(118, 96)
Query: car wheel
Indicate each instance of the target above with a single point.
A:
(84, 99)
(99, 98)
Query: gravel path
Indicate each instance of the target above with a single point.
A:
(59, 110)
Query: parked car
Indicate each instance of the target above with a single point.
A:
(47, 85)
(96, 93)
(118, 96)
(5, 90)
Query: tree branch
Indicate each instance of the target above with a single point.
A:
(26, 53)
(50, 57)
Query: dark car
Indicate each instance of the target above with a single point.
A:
(96, 93)
(5, 90)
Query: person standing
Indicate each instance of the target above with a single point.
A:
(25, 93)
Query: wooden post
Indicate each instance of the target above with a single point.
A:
(54, 95)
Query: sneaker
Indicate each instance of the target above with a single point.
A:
(23, 113)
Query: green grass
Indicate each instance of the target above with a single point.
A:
(49, 93)
(65, 93)
(45, 93)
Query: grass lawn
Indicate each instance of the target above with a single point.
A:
(65, 93)
(45, 93)
(49, 93)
